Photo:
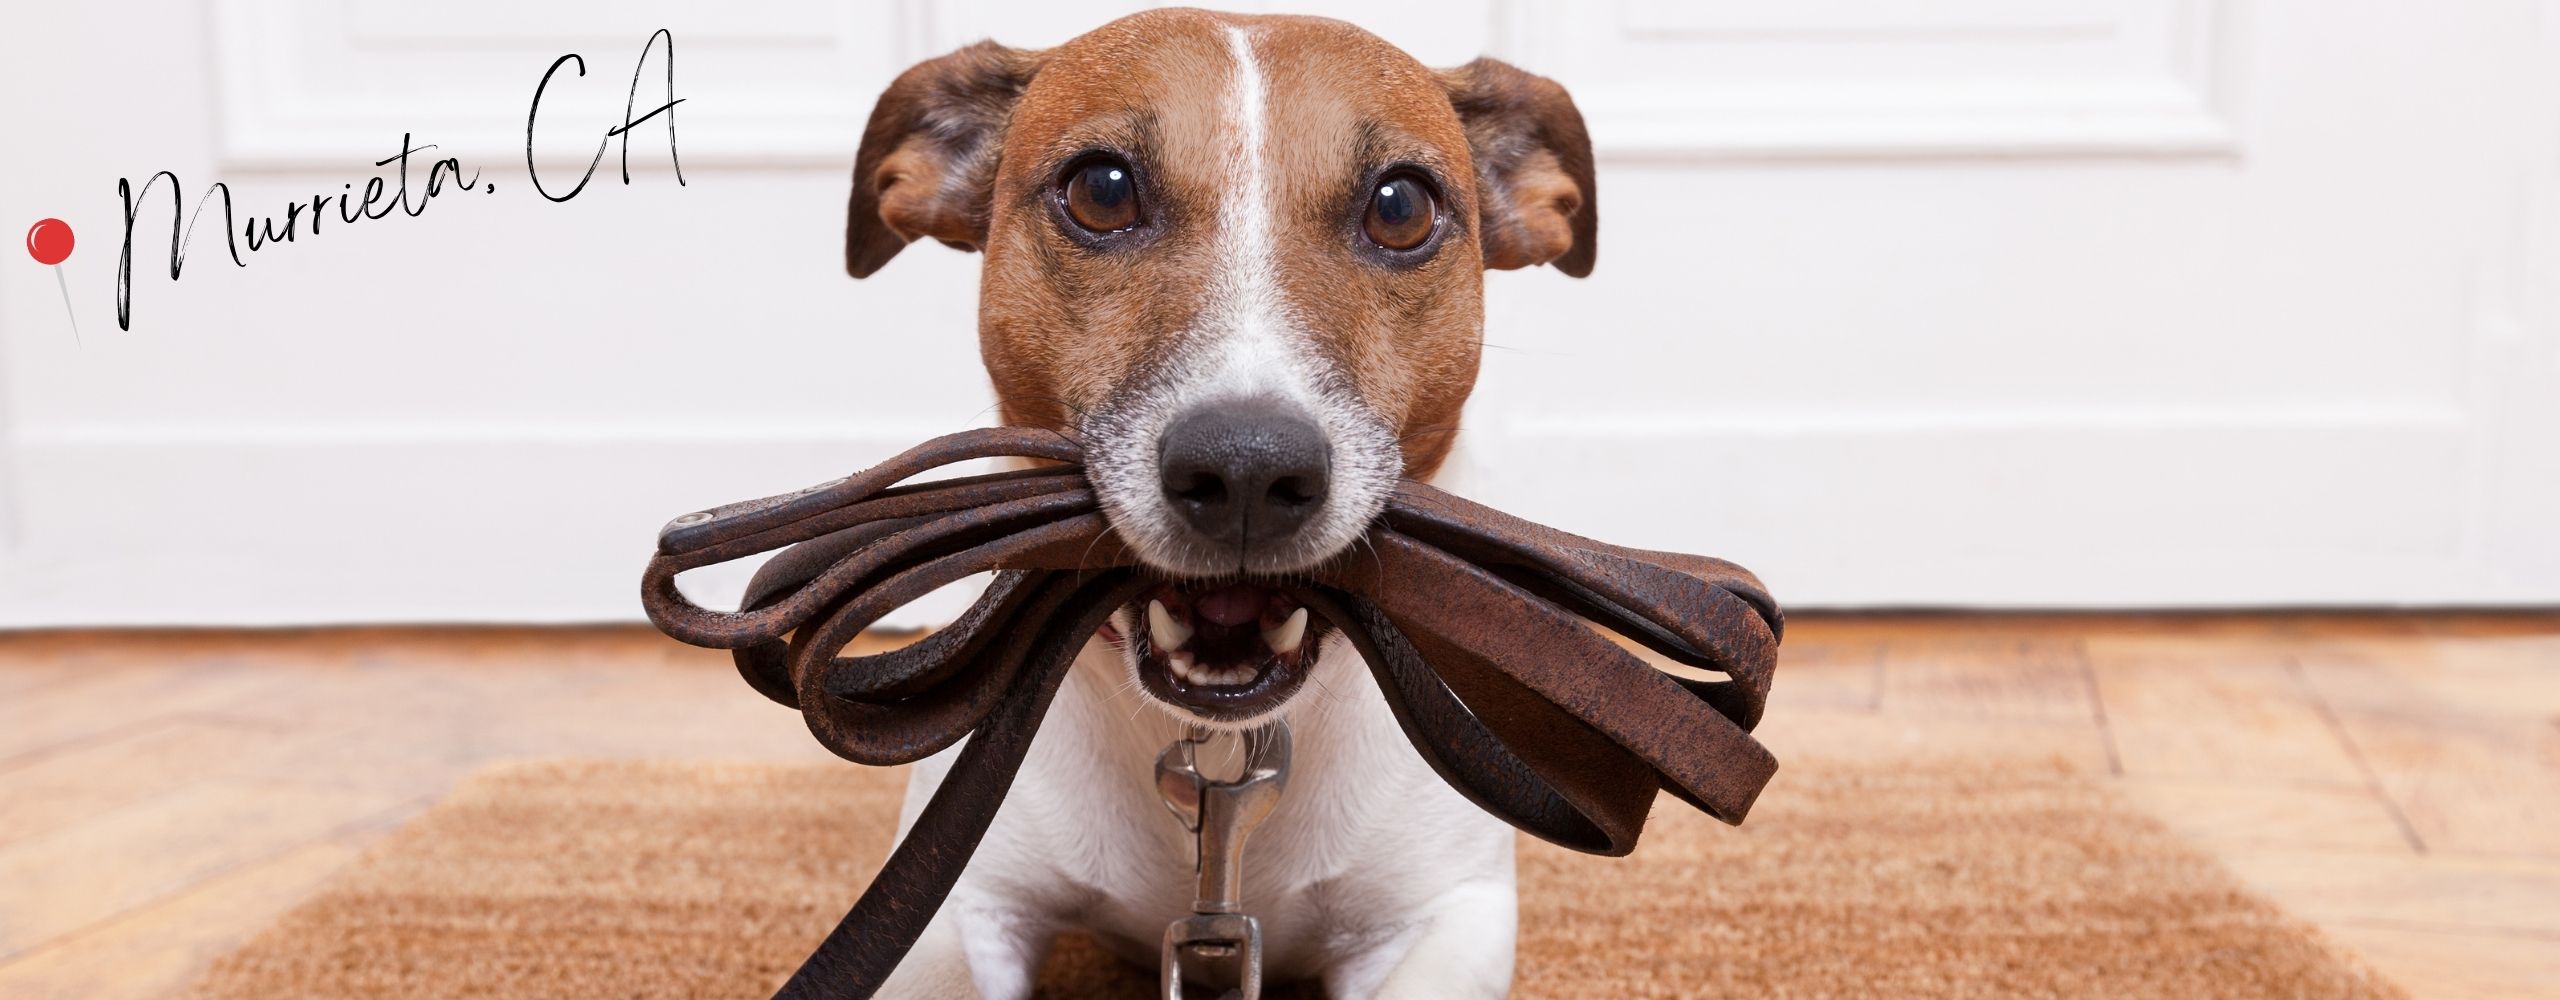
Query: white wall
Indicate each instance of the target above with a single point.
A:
(2047, 303)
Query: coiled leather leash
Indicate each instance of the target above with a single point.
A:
(1477, 626)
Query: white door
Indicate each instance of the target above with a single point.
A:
(1909, 302)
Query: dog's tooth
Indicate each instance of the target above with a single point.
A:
(1169, 634)
(1181, 663)
(1285, 638)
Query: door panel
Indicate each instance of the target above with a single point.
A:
(2060, 303)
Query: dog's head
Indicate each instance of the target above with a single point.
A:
(1241, 258)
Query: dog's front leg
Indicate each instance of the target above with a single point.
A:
(972, 949)
(985, 941)
(1461, 946)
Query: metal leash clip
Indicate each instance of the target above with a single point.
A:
(1222, 943)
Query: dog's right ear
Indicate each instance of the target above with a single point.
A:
(1533, 167)
(928, 160)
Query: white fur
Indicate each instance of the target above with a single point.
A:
(1372, 875)
(1247, 343)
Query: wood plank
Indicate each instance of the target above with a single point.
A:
(444, 729)
(50, 791)
(155, 950)
(2255, 814)
(2024, 678)
(1858, 735)
(2404, 889)
(2468, 785)
(2440, 965)
(2503, 676)
(21, 675)
(1814, 674)
(2180, 708)
(88, 872)
(2464, 752)
(108, 699)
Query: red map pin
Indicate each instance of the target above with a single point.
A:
(49, 242)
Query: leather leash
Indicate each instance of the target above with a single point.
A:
(1477, 625)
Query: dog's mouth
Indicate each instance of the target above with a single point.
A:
(1225, 652)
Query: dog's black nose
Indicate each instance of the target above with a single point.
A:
(1245, 473)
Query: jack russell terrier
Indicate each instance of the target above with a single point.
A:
(1241, 259)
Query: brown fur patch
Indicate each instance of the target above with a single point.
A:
(1063, 326)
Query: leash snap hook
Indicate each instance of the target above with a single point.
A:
(1219, 939)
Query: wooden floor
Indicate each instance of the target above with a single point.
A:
(2395, 778)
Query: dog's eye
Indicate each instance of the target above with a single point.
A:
(1102, 195)
(1401, 213)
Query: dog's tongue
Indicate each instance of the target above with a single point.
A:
(1232, 606)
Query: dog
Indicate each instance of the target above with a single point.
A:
(1241, 259)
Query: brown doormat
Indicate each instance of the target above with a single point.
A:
(587, 879)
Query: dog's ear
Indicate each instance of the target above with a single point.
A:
(928, 160)
(1533, 167)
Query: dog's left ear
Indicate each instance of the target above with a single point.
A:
(928, 160)
(1533, 167)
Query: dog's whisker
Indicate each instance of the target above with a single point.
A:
(1490, 345)
(1084, 560)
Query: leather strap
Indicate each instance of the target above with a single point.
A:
(1478, 626)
